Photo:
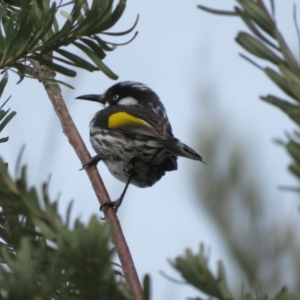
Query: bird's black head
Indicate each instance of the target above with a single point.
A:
(125, 93)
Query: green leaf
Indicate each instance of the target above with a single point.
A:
(3, 113)
(96, 60)
(23, 31)
(78, 61)
(55, 67)
(55, 27)
(123, 32)
(293, 111)
(115, 16)
(6, 183)
(280, 81)
(3, 82)
(100, 10)
(253, 27)
(255, 11)
(290, 74)
(54, 80)
(3, 10)
(58, 39)
(217, 11)
(2, 43)
(103, 44)
(248, 296)
(294, 150)
(63, 60)
(106, 70)
(31, 31)
(6, 120)
(43, 33)
(256, 47)
(9, 33)
(94, 47)
(21, 70)
(45, 229)
(295, 169)
(289, 57)
(292, 79)
(3, 140)
(146, 287)
(285, 295)
(195, 271)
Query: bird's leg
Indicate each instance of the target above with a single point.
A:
(117, 203)
(94, 161)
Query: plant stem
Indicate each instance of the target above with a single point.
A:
(54, 92)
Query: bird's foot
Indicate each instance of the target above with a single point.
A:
(94, 161)
(114, 204)
(117, 203)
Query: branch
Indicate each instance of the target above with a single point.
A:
(54, 92)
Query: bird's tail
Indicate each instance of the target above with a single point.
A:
(180, 149)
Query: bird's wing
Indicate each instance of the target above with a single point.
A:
(135, 121)
(180, 149)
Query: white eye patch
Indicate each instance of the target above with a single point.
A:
(127, 101)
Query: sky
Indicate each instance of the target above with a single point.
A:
(179, 50)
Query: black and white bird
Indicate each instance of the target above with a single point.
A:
(133, 136)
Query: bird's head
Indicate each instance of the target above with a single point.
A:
(125, 93)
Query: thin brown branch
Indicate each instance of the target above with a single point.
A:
(54, 92)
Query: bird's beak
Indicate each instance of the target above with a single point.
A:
(92, 97)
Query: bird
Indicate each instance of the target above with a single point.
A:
(132, 135)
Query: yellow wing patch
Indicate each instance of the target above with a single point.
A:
(123, 118)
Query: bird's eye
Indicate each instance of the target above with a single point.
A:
(115, 97)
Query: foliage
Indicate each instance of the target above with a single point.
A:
(267, 42)
(42, 257)
(5, 116)
(30, 31)
(238, 208)
(194, 269)
(253, 248)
